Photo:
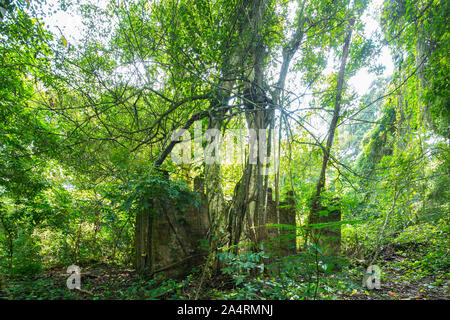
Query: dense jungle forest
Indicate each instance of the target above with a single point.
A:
(224, 149)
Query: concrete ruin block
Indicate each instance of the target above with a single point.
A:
(172, 239)
(281, 241)
(328, 238)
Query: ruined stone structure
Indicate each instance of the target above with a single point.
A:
(176, 239)
(280, 241)
(329, 237)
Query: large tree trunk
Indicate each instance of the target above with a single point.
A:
(322, 235)
(213, 186)
(248, 212)
(246, 215)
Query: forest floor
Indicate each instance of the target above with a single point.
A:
(396, 285)
(102, 281)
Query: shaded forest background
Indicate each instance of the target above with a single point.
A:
(353, 178)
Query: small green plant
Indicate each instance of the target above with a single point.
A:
(242, 266)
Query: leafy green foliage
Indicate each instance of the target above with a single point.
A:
(85, 119)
